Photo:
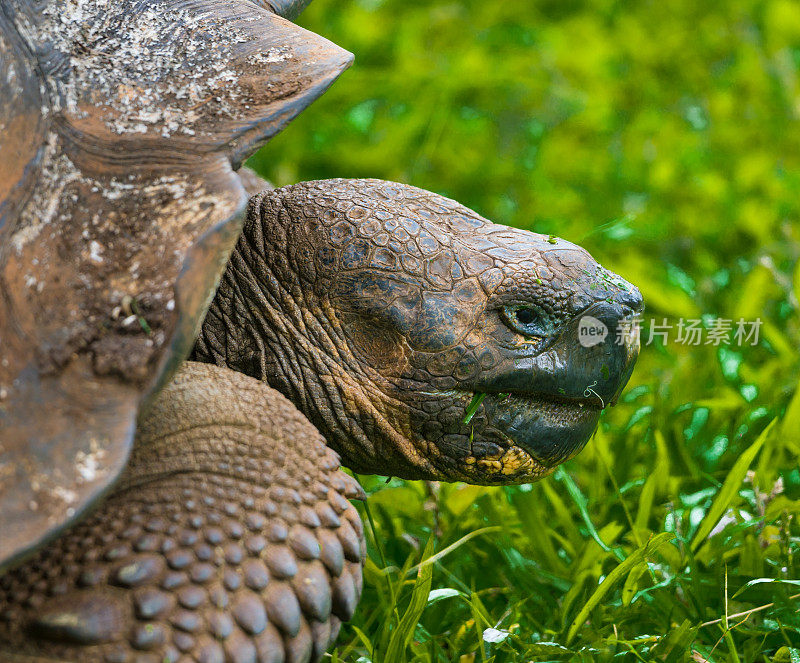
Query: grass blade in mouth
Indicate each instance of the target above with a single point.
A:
(473, 406)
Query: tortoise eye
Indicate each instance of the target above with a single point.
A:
(528, 320)
(525, 316)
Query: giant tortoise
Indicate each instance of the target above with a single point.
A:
(182, 372)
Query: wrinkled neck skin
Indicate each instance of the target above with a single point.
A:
(380, 310)
(273, 321)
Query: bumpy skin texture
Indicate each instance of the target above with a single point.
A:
(379, 309)
(229, 539)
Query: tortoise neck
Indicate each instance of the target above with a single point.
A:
(271, 321)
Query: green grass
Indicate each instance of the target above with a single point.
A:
(663, 137)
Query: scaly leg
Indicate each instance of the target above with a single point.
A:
(229, 538)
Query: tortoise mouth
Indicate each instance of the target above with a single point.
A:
(549, 404)
(551, 428)
(562, 402)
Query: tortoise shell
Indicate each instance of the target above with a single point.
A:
(122, 126)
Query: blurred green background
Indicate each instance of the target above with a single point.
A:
(664, 138)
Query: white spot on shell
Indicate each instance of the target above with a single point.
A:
(94, 251)
(88, 464)
(68, 496)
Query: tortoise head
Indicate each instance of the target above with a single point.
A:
(423, 340)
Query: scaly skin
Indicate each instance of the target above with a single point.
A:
(379, 309)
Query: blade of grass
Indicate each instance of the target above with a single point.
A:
(790, 427)
(730, 489)
(561, 516)
(363, 638)
(446, 551)
(379, 548)
(580, 501)
(734, 656)
(419, 599)
(614, 577)
(479, 618)
(473, 406)
(760, 581)
(673, 646)
(629, 589)
(646, 498)
(621, 499)
(530, 512)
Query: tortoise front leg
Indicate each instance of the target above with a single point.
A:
(230, 538)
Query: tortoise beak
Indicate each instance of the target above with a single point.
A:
(593, 357)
